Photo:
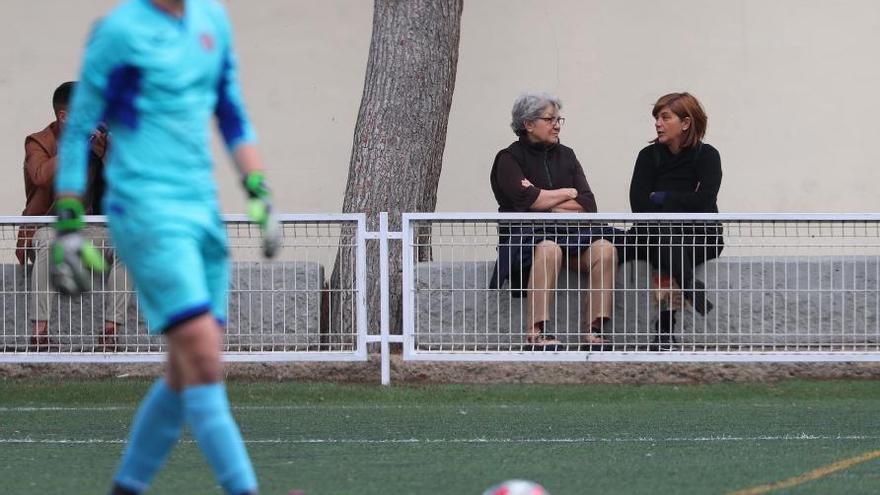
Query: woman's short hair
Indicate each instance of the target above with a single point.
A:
(685, 105)
(528, 107)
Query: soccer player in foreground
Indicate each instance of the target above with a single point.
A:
(155, 71)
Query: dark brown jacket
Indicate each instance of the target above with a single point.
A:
(40, 163)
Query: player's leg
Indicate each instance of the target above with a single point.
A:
(208, 412)
(166, 259)
(215, 256)
(197, 344)
(155, 431)
(147, 251)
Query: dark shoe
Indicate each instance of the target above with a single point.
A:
(697, 298)
(663, 342)
(107, 342)
(539, 341)
(543, 342)
(595, 342)
(40, 343)
(118, 490)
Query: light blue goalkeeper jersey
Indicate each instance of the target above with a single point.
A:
(155, 80)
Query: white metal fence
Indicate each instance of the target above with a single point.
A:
(784, 288)
(289, 308)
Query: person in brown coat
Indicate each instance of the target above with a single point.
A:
(41, 153)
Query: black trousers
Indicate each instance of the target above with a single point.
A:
(675, 248)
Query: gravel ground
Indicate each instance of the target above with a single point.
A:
(434, 373)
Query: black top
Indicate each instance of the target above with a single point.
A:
(546, 167)
(691, 179)
(95, 186)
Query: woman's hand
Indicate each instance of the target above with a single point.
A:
(560, 200)
(567, 192)
(657, 197)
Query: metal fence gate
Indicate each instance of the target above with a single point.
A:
(784, 288)
(307, 304)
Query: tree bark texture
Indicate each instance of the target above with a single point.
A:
(397, 151)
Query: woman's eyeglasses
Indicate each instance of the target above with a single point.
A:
(553, 120)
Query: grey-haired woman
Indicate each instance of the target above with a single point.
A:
(538, 174)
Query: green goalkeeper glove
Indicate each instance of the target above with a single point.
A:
(73, 258)
(261, 212)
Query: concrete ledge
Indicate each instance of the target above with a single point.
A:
(275, 305)
(421, 373)
(272, 306)
(767, 303)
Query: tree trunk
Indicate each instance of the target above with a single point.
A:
(400, 135)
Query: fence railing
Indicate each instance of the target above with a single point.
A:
(783, 288)
(306, 304)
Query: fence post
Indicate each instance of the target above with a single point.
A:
(385, 350)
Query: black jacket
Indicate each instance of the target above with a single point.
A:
(691, 180)
(546, 167)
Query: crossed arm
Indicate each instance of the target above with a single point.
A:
(555, 200)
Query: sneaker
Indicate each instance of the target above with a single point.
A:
(663, 342)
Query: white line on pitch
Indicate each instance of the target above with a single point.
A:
(367, 441)
(285, 407)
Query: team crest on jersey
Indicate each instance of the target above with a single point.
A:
(207, 41)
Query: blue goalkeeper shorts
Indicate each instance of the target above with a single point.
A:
(178, 258)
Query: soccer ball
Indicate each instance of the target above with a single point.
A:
(517, 487)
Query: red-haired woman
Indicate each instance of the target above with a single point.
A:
(678, 172)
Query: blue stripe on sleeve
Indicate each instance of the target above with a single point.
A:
(228, 113)
(123, 86)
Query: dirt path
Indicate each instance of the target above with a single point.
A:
(424, 373)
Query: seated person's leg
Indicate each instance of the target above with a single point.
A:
(116, 302)
(44, 294)
(600, 261)
(674, 255)
(113, 303)
(546, 261)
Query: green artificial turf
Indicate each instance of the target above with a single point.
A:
(66, 437)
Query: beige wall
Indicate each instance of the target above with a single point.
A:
(790, 87)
